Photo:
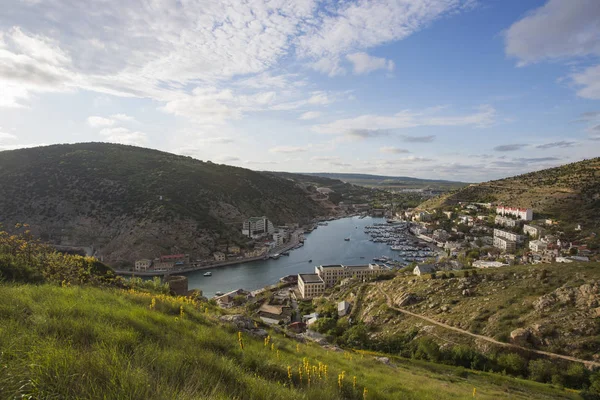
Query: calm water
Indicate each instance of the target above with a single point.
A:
(324, 245)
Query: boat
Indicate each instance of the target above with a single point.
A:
(275, 256)
(309, 261)
(285, 253)
(219, 293)
(347, 239)
(208, 273)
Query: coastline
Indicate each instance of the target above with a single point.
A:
(286, 247)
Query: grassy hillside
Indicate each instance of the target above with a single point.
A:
(76, 342)
(131, 202)
(570, 192)
(391, 182)
(79, 332)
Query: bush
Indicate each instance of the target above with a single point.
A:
(513, 364)
(541, 370)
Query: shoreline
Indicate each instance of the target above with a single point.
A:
(287, 247)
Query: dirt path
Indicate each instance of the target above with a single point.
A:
(390, 303)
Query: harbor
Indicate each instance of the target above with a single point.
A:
(322, 246)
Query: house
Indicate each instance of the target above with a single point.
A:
(256, 227)
(525, 214)
(275, 314)
(297, 327)
(565, 260)
(343, 308)
(143, 265)
(537, 245)
(234, 249)
(219, 256)
(228, 299)
(280, 237)
(310, 319)
(488, 264)
(423, 269)
(332, 274)
(163, 265)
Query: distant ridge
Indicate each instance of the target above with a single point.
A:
(390, 181)
(569, 192)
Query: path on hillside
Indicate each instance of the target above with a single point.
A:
(390, 304)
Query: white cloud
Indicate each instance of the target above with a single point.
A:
(310, 115)
(589, 81)
(361, 25)
(124, 136)
(99, 122)
(364, 63)
(393, 150)
(288, 149)
(559, 29)
(6, 136)
(377, 125)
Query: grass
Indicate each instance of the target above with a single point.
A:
(84, 342)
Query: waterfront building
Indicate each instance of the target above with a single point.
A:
(176, 258)
(256, 227)
(219, 256)
(313, 285)
(143, 265)
(310, 285)
(521, 213)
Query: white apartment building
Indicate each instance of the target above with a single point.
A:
(521, 213)
(532, 230)
(507, 221)
(505, 244)
(256, 227)
(310, 285)
(508, 235)
(537, 245)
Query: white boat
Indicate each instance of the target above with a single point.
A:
(347, 239)
(208, 273)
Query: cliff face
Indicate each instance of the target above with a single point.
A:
(130, 202)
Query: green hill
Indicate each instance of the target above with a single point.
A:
(81, 333)
(391, 182)
(570, 192)
(130, 202)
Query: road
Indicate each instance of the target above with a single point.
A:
(390, 304)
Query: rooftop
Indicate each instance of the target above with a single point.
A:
(332, 266)
(310, 278)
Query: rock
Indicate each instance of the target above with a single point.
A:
(240, 321)
(383, 360)
(406, 299)
(520, 336)
(466, 292)
(261, 333)
(445, 308)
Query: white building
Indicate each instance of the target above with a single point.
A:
(508, 235)
(488, 264)
(310, 285)
(505, 244)
(537, 245)
(521, 213)
(532, 230)
(279, 237)
(507, 221)
(143, 265)
(423, 269)
(256, 227)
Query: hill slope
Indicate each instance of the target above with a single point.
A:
(397, 182)
(84, 342)
(569, 192)
(131, 202)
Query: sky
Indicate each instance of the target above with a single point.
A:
(467, 90)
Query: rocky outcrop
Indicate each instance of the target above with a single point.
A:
(584, 296)
(520, 336)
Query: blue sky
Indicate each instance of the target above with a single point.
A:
(454, 89)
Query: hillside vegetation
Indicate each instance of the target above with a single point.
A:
(87, 334)
(391, 182)
(130, 202)
(570, 192)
